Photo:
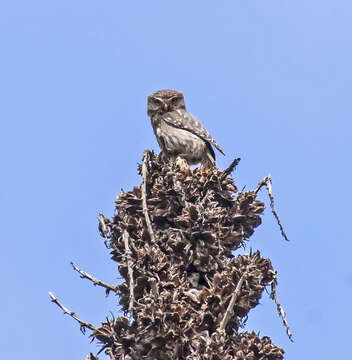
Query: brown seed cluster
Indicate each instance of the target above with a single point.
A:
(186, 294)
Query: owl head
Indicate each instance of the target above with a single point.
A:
(164, 101)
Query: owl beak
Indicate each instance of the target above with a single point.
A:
(166, 107)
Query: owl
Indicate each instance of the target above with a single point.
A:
(180, 134)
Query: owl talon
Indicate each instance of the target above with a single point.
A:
(162, 156)
(183, 165)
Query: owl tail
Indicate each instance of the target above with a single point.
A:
(209, 158)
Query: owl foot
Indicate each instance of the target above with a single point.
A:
(183, 165)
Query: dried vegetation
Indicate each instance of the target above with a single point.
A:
(184, 294)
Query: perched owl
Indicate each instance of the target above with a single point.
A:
(179, 134)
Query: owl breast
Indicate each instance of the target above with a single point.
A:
(178, 142)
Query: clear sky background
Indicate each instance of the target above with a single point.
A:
(271, 80)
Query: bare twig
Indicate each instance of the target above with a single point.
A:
(267, 182)
(108, 287)
(83, 324)
(103, 228)
(90, 356)
(126, 237)
(234, 298)
(280, 310)
(144, 196)
(111, 354)
(229, 169)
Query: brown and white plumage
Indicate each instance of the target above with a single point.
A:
(179, 133)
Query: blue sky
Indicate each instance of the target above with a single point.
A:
(271, 80)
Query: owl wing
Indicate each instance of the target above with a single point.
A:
(186, 121)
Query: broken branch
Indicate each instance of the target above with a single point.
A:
(83, 324)
(96, 281)
(280, 310)
(267, 182)
(144, 196)
(229, 169)
(126, 237)
(233, 300)
(103, 228)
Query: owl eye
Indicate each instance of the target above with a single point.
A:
(175, 100)
(157, 101)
